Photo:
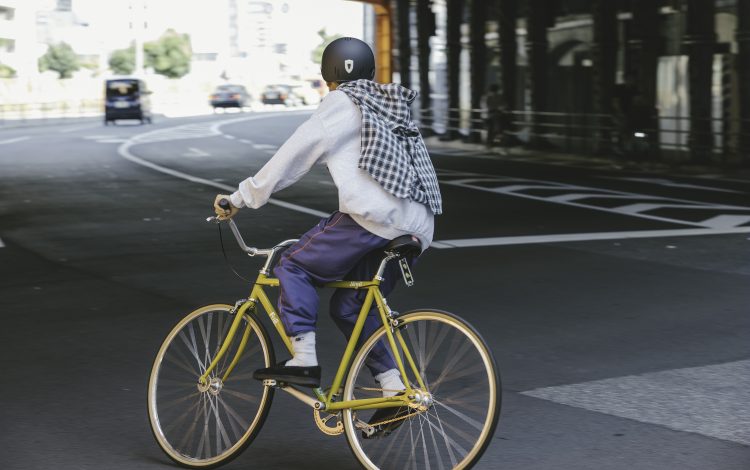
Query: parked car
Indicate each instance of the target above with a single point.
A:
(126, 98)
(280, 94)
(230, 96)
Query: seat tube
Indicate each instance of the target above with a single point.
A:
(391, 341)
(351, 345)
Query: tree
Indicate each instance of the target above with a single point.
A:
(122, 61)
(170, 54)
(325, 39)
(6, 71)
(59, 58)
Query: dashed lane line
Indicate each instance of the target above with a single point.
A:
(179, 132)
(14, 140)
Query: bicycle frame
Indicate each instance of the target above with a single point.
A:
(327, 401)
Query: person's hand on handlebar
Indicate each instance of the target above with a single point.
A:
(224, 208)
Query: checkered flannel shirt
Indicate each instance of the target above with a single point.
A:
(393, 151)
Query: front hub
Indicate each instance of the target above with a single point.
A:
(213, 386)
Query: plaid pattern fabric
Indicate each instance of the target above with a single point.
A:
(393, 151)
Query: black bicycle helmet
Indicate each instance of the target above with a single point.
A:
(347, 59)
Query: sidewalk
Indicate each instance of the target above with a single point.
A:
(518, 154)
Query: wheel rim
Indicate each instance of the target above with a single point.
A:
(204, 425)
(460, 376)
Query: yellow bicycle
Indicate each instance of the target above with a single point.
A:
(205, 408)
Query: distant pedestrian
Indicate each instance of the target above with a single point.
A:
(623, 117)
(496, 115)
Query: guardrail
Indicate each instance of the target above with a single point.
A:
(19, 113)
(590, 133)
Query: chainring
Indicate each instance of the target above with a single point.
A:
(323, 422)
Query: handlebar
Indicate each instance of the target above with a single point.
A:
(252, 251)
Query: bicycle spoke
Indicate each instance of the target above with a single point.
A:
(448, 440)
(474, 423)
(437, 451)
(233, 418)
(190, 343)
(240, 395)
(460, 372)
(177, 358)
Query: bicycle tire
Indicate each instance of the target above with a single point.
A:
(454, 427)
(243, 370)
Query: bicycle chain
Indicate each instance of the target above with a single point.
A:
(393, 420)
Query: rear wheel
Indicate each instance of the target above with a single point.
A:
(462, 397)
(203, 426)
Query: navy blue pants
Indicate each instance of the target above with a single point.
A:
(335, 249)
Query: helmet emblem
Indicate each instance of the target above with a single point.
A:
(349, 65)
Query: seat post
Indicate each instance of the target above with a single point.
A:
(389, 256)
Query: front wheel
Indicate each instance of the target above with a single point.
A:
(461, 380)
(206, 425)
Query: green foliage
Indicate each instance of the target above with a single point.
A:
(169, 55)
(7, 71)
(59, 58)
(122, 61)
(325, 39)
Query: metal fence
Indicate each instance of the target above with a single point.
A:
(669, 137)
(18, 113)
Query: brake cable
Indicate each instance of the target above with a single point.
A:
(226, 258)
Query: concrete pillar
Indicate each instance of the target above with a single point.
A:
(479, 11)
(743, 72)
(642, 57)
(604, 52)
(537, 46)
(699, 43)
(508, 11)
(404, 42)
(425, 29)
(454, 12)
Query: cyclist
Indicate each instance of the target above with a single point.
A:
(363, 133)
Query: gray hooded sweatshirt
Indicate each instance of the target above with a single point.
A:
(332, 137)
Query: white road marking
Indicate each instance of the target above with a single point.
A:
(2, 245)
(246, 141)
(581, 237)
(161, 135)
(79, 128)
(14, 140)
(583, 197)
(196, 153)
(708, 400)
(227, 136)
(266, 146)
(99, 137)
(673, 184)
(111, 141)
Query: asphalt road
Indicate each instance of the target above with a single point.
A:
(617, 303)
